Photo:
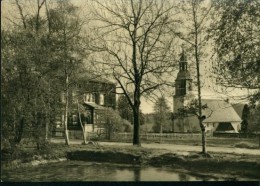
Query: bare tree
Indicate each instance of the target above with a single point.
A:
(79, 108)
(137, 47)
(195, 20)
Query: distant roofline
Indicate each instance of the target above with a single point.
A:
(92, 78)
(220, 121)
(214, 99)
(103, 81)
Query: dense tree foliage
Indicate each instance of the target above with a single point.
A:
(245, 115)
(237, 40)
(112, 122)
(161, 115)
(254, 120)
(124, 109)
(25, 84)
(38, 53)
(67, 49)
(126, 112)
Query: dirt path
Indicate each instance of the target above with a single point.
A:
(187, 148)
(182, 149)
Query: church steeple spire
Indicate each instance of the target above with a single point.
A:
(183, 82)
(183, 62)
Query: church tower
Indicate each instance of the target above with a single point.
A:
(183, 85)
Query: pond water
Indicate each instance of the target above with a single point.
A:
(91, 171)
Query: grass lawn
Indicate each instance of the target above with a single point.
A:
(250, 143)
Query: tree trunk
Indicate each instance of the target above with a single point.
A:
(203, 139)
(19, 132)
(46, 125)
(36, 126)
(136, 137)
(66, 134)
(259, 140)
(172, 125)
(109, 129)
(48, 115)
(82, 127)
(202, 127)
(196, 48)
(160, 129)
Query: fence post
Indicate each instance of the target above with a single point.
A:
(259, 140)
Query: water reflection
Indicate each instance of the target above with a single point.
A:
(182, 177)
(90, 171)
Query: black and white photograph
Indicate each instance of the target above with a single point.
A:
(138, 91)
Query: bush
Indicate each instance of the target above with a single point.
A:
(127, 126)
(146, 128)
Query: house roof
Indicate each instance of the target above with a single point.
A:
(207, 94)
(94, 78)
(94, 106)
(239, 108)
(219, 111)
(183, 75)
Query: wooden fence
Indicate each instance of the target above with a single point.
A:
(157, 136)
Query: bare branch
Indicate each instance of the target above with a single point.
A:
(21, 13)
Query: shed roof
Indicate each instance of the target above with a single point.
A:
(219, 111)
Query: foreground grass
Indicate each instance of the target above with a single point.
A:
(214, 163)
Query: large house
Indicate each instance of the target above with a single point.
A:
(219, 114)
(88, 97)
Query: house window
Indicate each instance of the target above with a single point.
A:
(88, 97)
(62, 119)
(74, 120)
(85, 97)
(74, 97)
(101, 99)
(88, 117)
(63, 97)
